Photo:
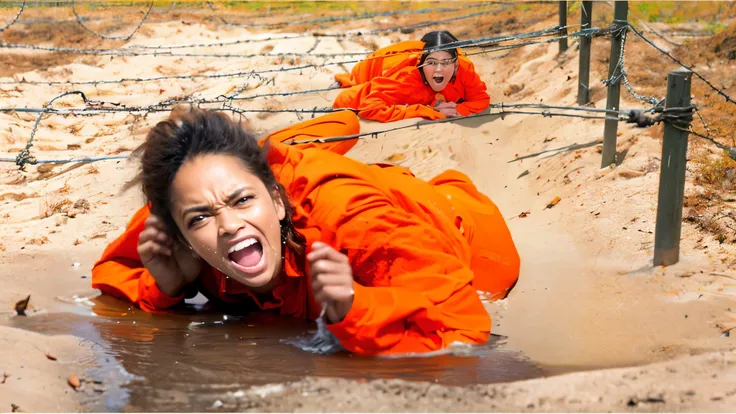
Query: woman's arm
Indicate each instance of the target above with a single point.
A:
(476, 96)
(120, 272)
(412, 285)
(388, 99)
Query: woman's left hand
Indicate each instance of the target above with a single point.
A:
(447, 109)
(332, 280)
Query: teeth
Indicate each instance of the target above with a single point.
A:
(242, 245)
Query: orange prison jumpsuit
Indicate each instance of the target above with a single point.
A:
(383, 62)
(387, 88)
(419, 251)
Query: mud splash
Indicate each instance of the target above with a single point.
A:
(185, 361)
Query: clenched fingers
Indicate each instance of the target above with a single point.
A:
(322, 251)
(149, 249)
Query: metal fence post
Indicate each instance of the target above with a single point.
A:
(586, 19)
(563, 25)
(672, 173)
(620, 13)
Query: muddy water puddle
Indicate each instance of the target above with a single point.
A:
(185, 361)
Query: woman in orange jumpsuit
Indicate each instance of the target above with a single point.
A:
(414, 79)
(395, 261)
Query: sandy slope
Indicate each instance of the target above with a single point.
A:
(588, 295)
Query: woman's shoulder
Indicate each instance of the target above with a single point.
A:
(465, 64)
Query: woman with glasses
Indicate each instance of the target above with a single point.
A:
(433, 83)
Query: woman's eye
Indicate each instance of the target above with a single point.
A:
(243, 200)
(196, 220)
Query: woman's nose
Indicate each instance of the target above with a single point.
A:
(228, 222)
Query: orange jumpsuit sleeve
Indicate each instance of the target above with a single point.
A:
(413, 291)
(476, 96)
(387, 99)
(120, 272)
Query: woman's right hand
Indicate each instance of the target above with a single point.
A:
(172, 265)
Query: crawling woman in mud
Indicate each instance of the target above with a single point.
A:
(392, 261)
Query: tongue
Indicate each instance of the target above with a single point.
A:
(248, 257)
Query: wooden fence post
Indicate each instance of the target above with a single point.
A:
(620, 13)
(563, 25)
(586, 19)
(672, 173)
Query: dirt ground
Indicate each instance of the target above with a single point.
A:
(588, 296)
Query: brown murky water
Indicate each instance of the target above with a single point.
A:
(185, 361)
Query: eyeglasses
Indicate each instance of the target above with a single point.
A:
(442, 63)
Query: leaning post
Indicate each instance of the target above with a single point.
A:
(563, 26)
(620, 13)
(586, 19)
(672, 172)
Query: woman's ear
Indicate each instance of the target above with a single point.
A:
(278, 204)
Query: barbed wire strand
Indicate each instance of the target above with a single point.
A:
(106, 37)
(621, 67)
(15, 19)
(696, 73)
(25, 155)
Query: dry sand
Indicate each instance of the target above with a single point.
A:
(587, 297)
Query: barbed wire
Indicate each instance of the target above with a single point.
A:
(731, 151)
(678, 117)
(131, 52)
(106, 37)
(696, 73)
(488, 45)
(25, 158)
(97, 107)
(621, 68)
(226, 101)
(15, 19)
(25, 154)
(481, 43)
(34, 161)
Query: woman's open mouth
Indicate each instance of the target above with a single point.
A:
(247, 256)
(438, 78)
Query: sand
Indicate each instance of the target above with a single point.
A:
(588, 295)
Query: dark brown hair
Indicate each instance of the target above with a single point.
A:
(190, 132)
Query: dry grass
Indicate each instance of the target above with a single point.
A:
(49, 208)
(717, 171)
